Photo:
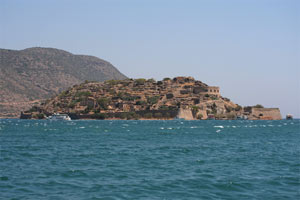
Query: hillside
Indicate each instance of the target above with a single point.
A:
(181, 97)
(32, 74)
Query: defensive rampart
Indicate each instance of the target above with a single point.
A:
(265, 113)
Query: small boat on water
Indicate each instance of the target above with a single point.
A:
(289, 116)
(58, 116)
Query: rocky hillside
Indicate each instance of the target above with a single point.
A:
(32, 74)
(181, 97)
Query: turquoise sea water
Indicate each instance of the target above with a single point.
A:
(149, 159)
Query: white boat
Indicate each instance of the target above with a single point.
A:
(58, 116)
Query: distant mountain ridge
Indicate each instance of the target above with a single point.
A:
(39, 73)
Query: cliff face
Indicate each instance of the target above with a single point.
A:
(181, 97)
(33, 74)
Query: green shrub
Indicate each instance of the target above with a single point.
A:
(166, 79)
(140, 81)
(120, 95)
(72, 104)
(214, 108)
(238, 108)
(127, 115)
(164, 107)
(33, 109)
(200, 116)
(112, 92)
(125, 83)
(148, 115)
(214, 97)
(83, 94)
(130, 115)
(130, 98)
(97, 110)
(40, 116)
(258, 106)
(112, 82)
(100, 116)
(167, 115)
(123, 115)
(90, 107)
(64, 94)
(172, 107)
(141, 103)
(103, 103)
(151, 80)
(137, 116)
(158, 115)
(195, 108)
(152, 100)
(86, 110)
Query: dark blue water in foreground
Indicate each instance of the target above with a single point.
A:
(149, 159)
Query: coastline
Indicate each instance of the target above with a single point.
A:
(153, 119)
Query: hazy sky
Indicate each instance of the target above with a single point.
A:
(250, 48)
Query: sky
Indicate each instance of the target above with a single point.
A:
(250, 48)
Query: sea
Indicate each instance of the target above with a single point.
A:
(172, 159)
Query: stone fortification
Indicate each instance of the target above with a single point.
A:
(265, 113)
(185, 114)
(181, 97)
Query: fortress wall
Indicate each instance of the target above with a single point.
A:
(185, 114)
(266, 113)
(203, 113)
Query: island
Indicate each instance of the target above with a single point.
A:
(144, 99)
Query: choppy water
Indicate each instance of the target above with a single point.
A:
(149, 159)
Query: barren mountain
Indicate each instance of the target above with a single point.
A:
(32, 74)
